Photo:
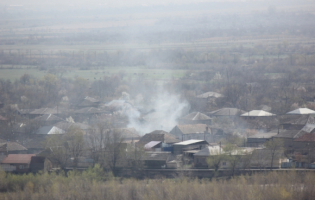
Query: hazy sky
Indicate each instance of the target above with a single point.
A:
(111, 2)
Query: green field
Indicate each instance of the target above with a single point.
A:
(91, 75)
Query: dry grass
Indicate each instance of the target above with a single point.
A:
(91, 185)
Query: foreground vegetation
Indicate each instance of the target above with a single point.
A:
(95, 184)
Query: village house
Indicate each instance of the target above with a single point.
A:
(22, 163)
(195, 118)
(298, 123)
(226, 112)
(160, 160)
(301, 111)
(164, 139)
(289, 137)
(64, 125)
(48, 130)
(200, 158)
(188, 145)
(44, 111)
(192, 131)
(260, 138)
(12, 148)
(47, 119)
(257, 114)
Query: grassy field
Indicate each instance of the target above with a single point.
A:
(129, 72)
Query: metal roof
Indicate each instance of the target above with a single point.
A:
(301, 111)
(49, 130)
(257, 113)
(152, 144)
(188, 142)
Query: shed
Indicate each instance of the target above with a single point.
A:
(17, 163)
(189, 145)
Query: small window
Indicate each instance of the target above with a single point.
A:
(21, 166)
(223, 163)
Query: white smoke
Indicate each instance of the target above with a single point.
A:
(165, 110)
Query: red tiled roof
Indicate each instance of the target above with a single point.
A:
(18, 159)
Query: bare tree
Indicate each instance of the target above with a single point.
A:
(214, 161)
(275, 148)
(114, 150)
(64, 147)
(75, 143)
(96, 138)
(107, 146)
(58, 153)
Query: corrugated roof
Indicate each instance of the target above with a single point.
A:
(209, 94)
(189, 142)
(257, 113)
(193, 128)
(151, 144)
(18, 159)
(196, 116)
(227, 112)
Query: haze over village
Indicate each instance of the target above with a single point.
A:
(157, 99)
